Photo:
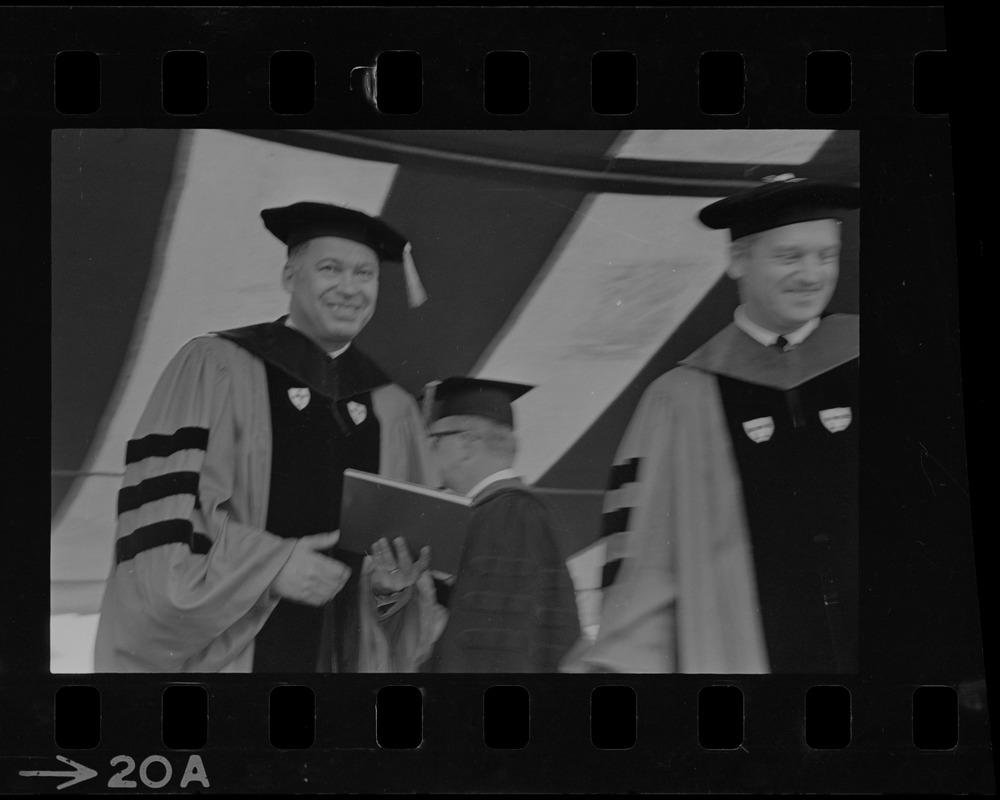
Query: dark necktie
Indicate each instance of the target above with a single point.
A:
(780, 344)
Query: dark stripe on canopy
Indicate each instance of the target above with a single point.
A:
(109, 196)
(479, 240)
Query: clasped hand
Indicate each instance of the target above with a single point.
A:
(309, 576)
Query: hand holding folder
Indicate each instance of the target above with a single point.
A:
(374, 508)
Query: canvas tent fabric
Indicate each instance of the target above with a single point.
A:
(570, 260)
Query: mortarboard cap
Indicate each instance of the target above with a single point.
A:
(301, 222)
(460, 396)
(782, 200)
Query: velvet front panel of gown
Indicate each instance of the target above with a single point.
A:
(797, 452)
(313, 443)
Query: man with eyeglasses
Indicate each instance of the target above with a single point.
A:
(731, 518)
(228, 517)
(512, 607)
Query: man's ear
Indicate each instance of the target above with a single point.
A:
(464, 448)
(468, 446)
(736, 269)
(288, 275)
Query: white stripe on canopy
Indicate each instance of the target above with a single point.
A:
(626, 275)
(732, 146)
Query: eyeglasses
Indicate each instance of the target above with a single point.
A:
(439, 435)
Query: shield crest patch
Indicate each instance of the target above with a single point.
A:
(300, 397)
(759, 430)
(357, 411)
(835, 419)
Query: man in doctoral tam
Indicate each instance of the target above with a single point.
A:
(512, 607)
(732, 511)
(230, 507)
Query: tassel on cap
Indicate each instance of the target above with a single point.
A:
(415, 294)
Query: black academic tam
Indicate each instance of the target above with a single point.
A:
(475, 397)
(301, 222)
(781, 201)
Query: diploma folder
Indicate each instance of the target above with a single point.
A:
(374, 507)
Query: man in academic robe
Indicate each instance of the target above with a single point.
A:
(731, 518)
(228, 517)
(512, 606)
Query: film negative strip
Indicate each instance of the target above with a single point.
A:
(179, 623)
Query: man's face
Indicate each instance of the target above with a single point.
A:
(334, 285)
(450, 450)
(788, 274)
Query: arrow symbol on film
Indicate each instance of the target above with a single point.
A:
(79, 773)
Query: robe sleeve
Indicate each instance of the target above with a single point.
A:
(404, 453)
(636, 632)
(513, 607)
(681, 593)
(190, 586)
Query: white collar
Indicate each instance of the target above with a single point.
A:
(767, 337)
(502, 475)
(333, 354)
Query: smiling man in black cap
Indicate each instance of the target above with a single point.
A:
(732, 514)
(512, 607)
(231, 498)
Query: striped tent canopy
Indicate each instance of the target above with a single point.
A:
(570, 260)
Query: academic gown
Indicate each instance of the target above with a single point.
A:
(731, 514)
(190, 587)
(512, 607)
